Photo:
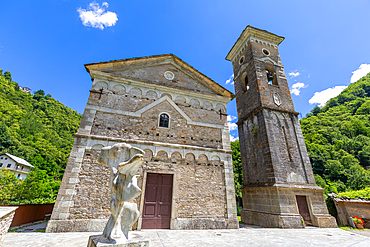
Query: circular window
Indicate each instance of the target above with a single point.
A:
(241, 60)
(169, 75)
(266, 52)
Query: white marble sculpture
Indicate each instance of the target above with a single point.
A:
(124, 161)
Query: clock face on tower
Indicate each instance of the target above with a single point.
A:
(277, 99)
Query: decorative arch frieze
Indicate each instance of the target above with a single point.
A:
(170, 151)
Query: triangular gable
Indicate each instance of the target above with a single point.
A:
(140, 69)
(165, 98)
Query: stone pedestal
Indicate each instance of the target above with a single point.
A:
(276, 206)
(135, 240)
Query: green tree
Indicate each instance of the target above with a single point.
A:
(8, 75)
(40, 130)
(40, 92)
(5, 138)
(10, 187)
(237, 166)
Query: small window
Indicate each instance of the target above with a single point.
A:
(245, 83)
(9, 165)
(1, 157)
(271, 75)
(164, 120)
(6, 158)
(241, 60)
(19, 175)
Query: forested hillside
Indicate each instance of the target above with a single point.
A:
(38, 129)
(337, 137)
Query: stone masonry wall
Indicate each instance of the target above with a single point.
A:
(261, 92)
(154, 74)
(113, 99)
(124, 106)
(200, 186)
(146, 128)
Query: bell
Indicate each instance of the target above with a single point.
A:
(270, 77)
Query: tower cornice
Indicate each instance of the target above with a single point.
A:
(249, 32)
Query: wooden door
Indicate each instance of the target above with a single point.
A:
(157, 201)
(303, 210)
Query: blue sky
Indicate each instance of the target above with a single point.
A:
(44, 44)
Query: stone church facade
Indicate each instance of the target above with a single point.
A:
(177, 116)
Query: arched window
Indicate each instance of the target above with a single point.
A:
(271, 75)
(245, 83)
(164, 120)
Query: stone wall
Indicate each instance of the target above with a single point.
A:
(260, 93)
(275, 206)
(6, 217)
(203, 195)
(195, 149)
(146, 128)
(199, 185)
(206, 111)
(277, 146)
(350, 208)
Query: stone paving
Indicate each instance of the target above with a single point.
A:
(205, 238)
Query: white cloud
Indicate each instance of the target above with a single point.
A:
(230, 80)
(294, 74)
(296, 88)
(96, 16)
(230, 119)
(232, 138)
(232, 126)
(322, 97)
(363, 70)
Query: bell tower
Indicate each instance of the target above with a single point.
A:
(279, 187)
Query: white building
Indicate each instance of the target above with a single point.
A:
(17, 165)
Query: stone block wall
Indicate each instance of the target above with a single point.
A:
(195, 149)
(276, 206)
(260, 93)
(276, 143)
(146, 128)
(203, 195)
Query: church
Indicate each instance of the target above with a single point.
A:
(177, 115)
(174, 113)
